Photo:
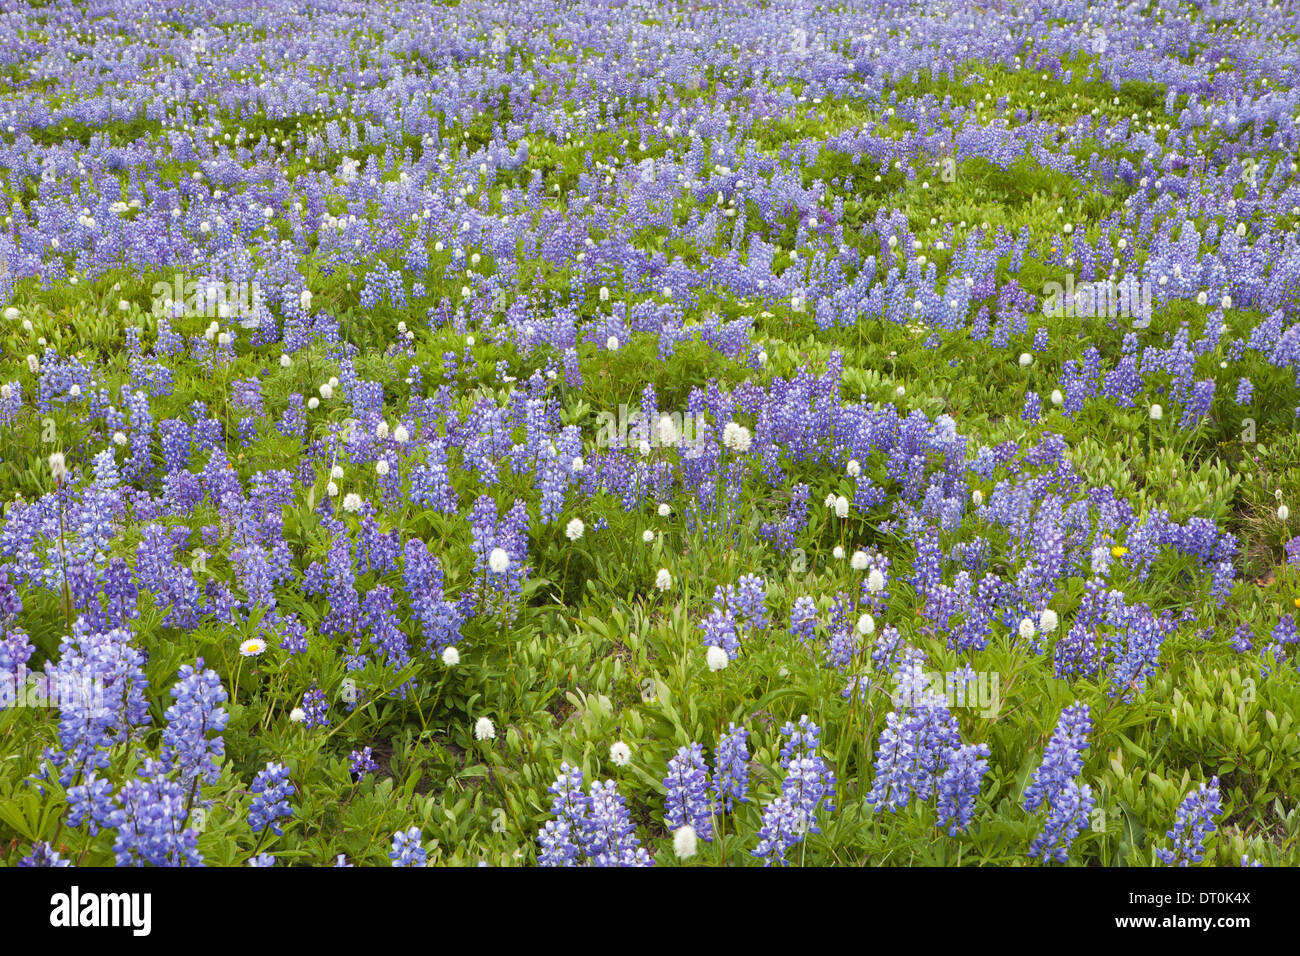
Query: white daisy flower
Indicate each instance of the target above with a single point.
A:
(252, 647)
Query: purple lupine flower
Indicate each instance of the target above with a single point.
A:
(151, 821)
(731, 777)
(1070, 807)
(361, 764)
(315, 708)
(720, 631)
(271, 791)
(960, 785)
(103, 675)
(196, 713)
(610, 838)
(784, 825)
(43, 855)
(1063, 758)
(803, 618)
(407, 848)
(1192, 824)
(687, 799)
(91, 802)
(751, 601)
(809, 785)
(1241, 639)
(561, 837)
(919, 736)
(1054, 783)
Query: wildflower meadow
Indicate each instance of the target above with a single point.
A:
(678, 434)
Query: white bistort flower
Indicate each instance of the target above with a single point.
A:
(736, 437)
(716, 658)
(1026, 629)
(663, 580)
(450, 656)
(620, 754)
(1047, 621)
(859, 561)
(484, 729)
(667, 432)
(498, 561)
(574, 530)
(875, 581)
(352, 502)
(684, 843)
